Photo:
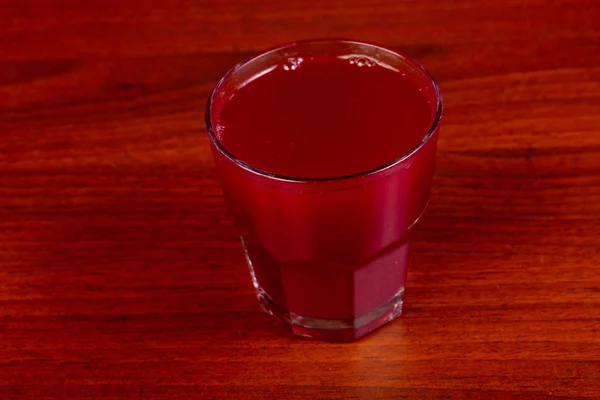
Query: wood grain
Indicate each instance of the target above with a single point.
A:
(121, 276)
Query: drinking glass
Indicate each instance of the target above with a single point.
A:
(328, 257)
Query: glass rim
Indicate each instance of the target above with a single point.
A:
(291, 179)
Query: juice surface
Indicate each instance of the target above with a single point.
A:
(324, 117)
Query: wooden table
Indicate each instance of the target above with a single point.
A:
(121, 276)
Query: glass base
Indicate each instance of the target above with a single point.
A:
(334, 329)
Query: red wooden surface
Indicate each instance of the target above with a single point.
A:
(121, 276)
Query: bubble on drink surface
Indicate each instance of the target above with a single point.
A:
(362, 62)
(292, 63)
(219, 129)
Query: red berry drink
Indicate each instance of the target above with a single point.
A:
(325, 151)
